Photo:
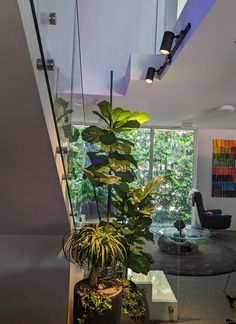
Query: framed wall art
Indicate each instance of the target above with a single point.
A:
(224, 168)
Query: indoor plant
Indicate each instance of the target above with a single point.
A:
(128, 208)
(113, 164)
(96, 247)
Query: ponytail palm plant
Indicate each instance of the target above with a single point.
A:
(96, 247)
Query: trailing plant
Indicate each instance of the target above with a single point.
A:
(95, 303)
(132, 300)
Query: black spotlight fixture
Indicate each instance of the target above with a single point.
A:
(167, 42)
(150, 74)
(166, 49)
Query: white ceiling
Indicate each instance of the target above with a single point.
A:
(202, 77)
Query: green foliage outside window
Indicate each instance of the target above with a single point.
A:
(172, 157)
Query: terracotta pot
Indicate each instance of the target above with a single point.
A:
(109, 317)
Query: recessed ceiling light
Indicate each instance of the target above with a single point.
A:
(226, 108)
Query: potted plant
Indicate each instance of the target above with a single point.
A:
(96, 247)
(128, 212)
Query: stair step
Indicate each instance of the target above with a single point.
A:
(160, 297)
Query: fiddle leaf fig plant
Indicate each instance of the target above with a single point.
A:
(113, 165)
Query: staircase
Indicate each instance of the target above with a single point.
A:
(160, 297)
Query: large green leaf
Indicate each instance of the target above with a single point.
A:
(139, 263)
(117, 206)
(142, 193)
(105, 109)
(105, 178)
(99, 178)
(139, 240)
(124, 187)
(139, 117)
(129, 125)
(124, 157)
(119, 166)
(101, 117)
(122, 194)
(128, 176)
(125, 141)
(148, 210)
(146, 221)
(92, 134)
(117, 146)
(119, 190)
(119, 114)
(127, 231)
(132, 210)
(98, 167)
(108, 138)
(122, 147)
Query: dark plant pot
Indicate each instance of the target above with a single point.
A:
(109, 317)
(125, 319)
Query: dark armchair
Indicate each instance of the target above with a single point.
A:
(210, 218)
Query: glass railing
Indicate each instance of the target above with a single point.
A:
(59, 38)
(58, 35)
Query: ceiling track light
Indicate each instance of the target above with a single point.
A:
(167, 42)
(166, 50)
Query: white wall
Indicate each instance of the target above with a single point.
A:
(204, 171)
(34, 280)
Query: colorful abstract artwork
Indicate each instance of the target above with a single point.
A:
(224, 168)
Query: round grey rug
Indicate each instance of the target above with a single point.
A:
(215, 256)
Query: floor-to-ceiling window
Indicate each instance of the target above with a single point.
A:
(173, 152)
(166, 152)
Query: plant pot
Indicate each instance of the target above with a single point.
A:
(109, 317)
(125, 319)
